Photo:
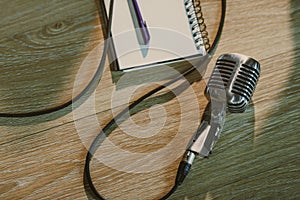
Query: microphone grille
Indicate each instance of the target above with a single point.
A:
(237, 75)
(222, 73)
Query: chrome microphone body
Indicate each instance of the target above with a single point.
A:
(231, 87)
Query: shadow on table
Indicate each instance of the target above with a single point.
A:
(239, 170)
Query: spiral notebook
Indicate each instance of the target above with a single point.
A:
(174, 33)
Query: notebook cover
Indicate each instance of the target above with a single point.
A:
(171, 37)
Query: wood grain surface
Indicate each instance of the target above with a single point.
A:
(49, 51)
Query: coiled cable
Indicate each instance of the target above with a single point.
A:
(104, 133)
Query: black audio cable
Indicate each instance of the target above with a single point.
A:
(104, 133)
(86, 91)
(92, 84)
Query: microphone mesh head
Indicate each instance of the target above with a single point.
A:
(237, 75)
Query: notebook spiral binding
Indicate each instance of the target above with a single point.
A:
(198, 26)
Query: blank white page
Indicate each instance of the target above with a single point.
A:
(170, 33)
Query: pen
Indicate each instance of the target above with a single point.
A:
(141, 26)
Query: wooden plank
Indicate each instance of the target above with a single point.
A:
(44, 44)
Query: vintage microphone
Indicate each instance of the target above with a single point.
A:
(231, 87)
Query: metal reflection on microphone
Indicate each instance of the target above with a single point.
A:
(230, 87)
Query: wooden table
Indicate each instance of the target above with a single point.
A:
(46, 44)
